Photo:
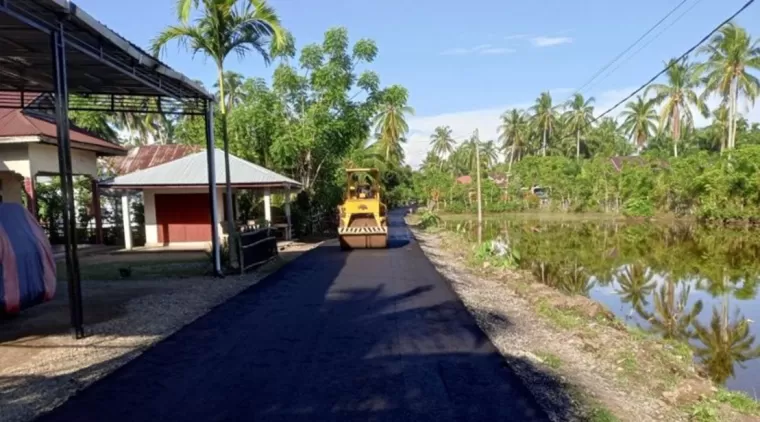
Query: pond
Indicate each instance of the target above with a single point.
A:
(678, 280)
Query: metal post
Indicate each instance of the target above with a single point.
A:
(231, 226)
(476, 139)
(67, 179)
(211, 157)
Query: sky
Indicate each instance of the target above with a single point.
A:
(465, 63)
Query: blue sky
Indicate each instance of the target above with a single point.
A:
(466, 62)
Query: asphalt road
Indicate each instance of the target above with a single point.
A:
(366, 335)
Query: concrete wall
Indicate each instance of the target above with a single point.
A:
(15, 157)
(11, 187)
(44, 159)
(149, 202)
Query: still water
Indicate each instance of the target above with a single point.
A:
(678, 280)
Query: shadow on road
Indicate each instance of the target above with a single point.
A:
(364, 335)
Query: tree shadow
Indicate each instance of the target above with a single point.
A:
(335, 336)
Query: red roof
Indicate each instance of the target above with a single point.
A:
(18, 122)
(147, 156)
(465, 180)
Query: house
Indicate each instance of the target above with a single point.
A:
(29, 149)
(176, 196)
(464, 180)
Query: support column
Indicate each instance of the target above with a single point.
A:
(210, 163)
(268, 206)
(60, 84)
(97, 212)
(126, 215)
(289, 231)
(31, 196)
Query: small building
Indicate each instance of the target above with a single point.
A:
(29, 149)
(176, 198)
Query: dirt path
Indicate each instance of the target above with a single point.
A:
(364, 335)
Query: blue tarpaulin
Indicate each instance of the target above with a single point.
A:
(27, 266)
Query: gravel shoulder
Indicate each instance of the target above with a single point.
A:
(39, 372)
(589, 360)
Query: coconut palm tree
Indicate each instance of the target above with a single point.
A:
(390, 122)
(578, 117)
(544, 117)
(489, 154)
(639, 118)
(724, 343)
(233, 82)
(719, 127)
(731, 54)
(513, 133)
(223, 27)
(676, 96)
(443, 143)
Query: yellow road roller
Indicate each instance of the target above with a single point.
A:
(362, 216)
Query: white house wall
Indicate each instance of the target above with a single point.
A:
(15, 158)
(44, 159)
(149, 203)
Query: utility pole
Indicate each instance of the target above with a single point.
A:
(476, 139)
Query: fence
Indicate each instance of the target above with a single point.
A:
(256, 247)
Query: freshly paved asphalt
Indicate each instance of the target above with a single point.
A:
(334, 336)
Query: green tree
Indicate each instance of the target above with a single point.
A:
(442, 142)
(224, 27)
(579, 115)
(639, 120)
(544, 118)
(390, 122)
(233, 82)
(731, 54)
(513, 133)
(676, 96)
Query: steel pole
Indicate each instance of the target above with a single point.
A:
(211, 157)
(58, 43)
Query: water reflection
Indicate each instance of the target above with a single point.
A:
(663, 278)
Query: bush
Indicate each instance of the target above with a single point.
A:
(638, 207)
(429, 219)
(498, 252)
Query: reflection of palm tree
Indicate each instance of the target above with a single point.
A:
(671, 318)
(724, 343)
(575, 280)
(635, 285)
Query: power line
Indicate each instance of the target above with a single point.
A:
(630, 47)
(648, 43)
(676, 61)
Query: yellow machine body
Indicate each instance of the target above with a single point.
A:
(362, 215)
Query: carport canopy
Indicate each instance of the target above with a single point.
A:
(55, 47)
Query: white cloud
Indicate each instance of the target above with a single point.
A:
(483, 49)
(550, 41)
(496, 50)
(516, 37)
(487, 120)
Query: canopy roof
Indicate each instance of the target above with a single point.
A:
(99, 61)
(192, 171)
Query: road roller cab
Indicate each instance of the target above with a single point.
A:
(362, 214)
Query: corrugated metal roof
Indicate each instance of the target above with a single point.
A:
(192, 170)
(147, 156)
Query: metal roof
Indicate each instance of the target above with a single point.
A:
(192, 171)
(99, 61)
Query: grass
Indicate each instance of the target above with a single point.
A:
(140, 270)
(600, 414)
(627, 361)
(550, 360)
(739, 401)
(563, 318)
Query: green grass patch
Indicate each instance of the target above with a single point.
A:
(600, 414)
(563, 318)
(139, 270)
(739, 401)
(704, 412)
(627, 361)
(551, 360)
